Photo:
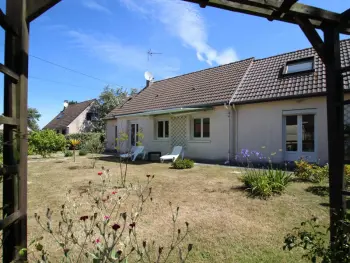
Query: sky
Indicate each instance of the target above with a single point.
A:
(106, 41)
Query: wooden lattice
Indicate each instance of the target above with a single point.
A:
(178, 126)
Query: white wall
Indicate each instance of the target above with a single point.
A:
(78, 125)
(261, 124)
(214, 148)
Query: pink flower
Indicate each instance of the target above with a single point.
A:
(107, 217)
(99, 173)
(97, 241)
(114, 192)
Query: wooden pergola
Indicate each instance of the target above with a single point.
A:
(16, 21)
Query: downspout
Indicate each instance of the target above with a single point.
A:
(235, 109)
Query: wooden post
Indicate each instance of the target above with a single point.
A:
(335, 121)
(15, 148)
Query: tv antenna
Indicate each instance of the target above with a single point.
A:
(150, 53)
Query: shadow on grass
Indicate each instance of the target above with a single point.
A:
(231, 189)
(77, 167)
(318, 190)
(327, 204)
(115, 159)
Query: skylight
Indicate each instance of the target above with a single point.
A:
(299, 66)
(60, 116)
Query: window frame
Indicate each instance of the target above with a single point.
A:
(157, 125)
(295, 61)
(202, 125)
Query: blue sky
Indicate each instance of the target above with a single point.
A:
(109, 40)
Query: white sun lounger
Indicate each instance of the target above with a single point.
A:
(134, 152)
(173, 155)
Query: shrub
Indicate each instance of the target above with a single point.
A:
(312, 238)
(94, 146)
(310, 172)
(183, 164)
(264, 183)
(68, 154)
(82, 152)
(46, 142)
(84, 137)
(1, 141)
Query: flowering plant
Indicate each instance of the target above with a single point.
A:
(101, 224)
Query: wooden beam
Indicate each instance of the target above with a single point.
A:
(10, 219)
(36, 8)
(8, 121)
(14, 76)
(312, 35)
(6, 25)
(265, 8)
(203, 3)
(345, 18)
(284, 7)
(335, 126)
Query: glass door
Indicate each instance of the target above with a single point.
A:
(300, 137)
(134, 129)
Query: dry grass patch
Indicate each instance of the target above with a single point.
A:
(226, 225)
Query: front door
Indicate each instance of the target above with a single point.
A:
(134, 129)
(300, 137)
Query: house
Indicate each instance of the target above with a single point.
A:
(272, 105)
(74, 118)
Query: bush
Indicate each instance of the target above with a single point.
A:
(312, 238)
(68, 154)
(265, 183)
(46, 142)
(82, 152)
(182, 164)
(94, 146)
(310, 172)
(85, 137)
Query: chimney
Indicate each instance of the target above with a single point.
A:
(147, 83)
(65, 104)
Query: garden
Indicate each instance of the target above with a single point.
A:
(87, 207)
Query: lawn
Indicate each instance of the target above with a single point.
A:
(226, 225)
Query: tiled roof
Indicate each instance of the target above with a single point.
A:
(205, 87)
(265, 82)
(243, 82)
(68, 115)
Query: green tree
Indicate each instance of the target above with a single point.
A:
(106, 102)
(72, 102)
(46, 142)
(33, 118)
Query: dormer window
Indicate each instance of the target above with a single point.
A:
(299, 66)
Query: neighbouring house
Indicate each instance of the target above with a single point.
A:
(272, 105)
(74, 118)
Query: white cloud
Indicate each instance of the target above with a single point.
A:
(94, 5)
(183, 20)
(110, 49)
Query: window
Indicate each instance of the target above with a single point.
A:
(91, 116)
(163, 129)
(299, 66)
(134, 134)
(201, 128)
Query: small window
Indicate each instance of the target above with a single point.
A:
(201, 128)
(163, 129)
(299, 66)
(91, 116)
(60, 116)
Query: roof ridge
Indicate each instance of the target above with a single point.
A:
(290, 52)
(242, 80)
(189, 73)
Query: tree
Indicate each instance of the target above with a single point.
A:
(72, 102)
(106, 102)
(33, 118)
